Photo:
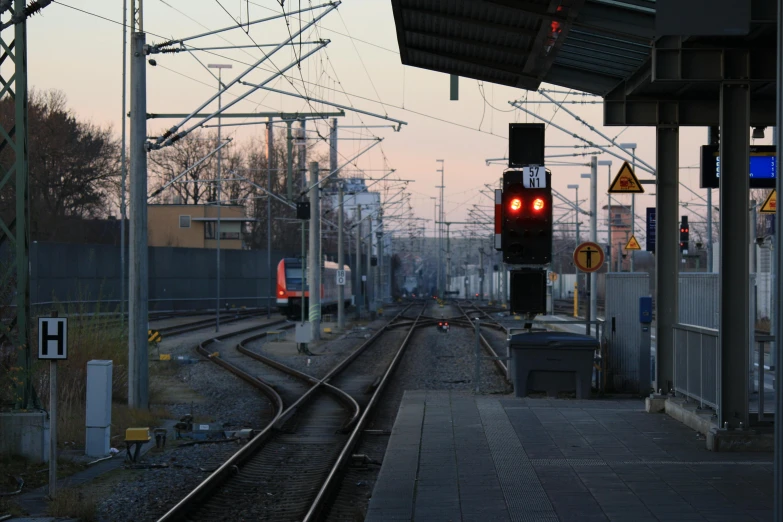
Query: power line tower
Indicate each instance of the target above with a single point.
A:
(14, 186)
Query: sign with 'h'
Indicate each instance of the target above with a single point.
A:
(52, 338)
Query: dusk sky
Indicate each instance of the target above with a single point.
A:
(81, 55)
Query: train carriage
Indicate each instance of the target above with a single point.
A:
(289, 287)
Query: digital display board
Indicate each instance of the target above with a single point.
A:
(763, 166)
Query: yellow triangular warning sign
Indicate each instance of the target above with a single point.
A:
(626, 182)
(770, 204)
(633, 244)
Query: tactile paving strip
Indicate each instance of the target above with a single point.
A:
(590, 463)
(525, 496)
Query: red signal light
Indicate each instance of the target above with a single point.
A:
(538, 204)
(516, 204)
(440, 324)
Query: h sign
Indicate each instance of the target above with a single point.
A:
(52, 338)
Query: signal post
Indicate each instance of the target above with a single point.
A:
(523, 219)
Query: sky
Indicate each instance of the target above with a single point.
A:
(80, 53)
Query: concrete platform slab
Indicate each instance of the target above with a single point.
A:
(454, 456)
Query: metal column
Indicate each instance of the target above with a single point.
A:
(270, 132)
(289, 177)
(667, 251)
(734, 264)
(340, 259)
(315, 258)
(358, 268)
(368, 270)
(593, 232)
(778, 278)
(138, 376)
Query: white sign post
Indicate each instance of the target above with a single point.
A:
(52, 345)
(534, 176)
(341, 277)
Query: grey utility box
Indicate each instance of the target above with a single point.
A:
(553, 362)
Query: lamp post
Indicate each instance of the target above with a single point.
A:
(632, 146)
(608, 163)
(576, 215)
(219, 67)
(442, 216)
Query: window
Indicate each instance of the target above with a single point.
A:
(228, 230)
(184, 222)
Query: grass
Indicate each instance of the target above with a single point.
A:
(74, 503)
(89, 338)
(35, 474)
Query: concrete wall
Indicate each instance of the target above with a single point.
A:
(25, 434)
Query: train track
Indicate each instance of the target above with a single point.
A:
(291, 468)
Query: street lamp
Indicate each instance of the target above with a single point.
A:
(608, 163)
(632, 146)
(219, 67)
(576, 209)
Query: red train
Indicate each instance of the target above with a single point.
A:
(289, 287)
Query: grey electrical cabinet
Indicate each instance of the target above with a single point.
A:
(552, 362)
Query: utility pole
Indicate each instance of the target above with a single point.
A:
(481, 274)
(440, 228)
(315, 258)
(378, 281)
(593, 232)
(270, 132)
(359, 282)
(218, 192)
(368, 271)
(448, 255)
(340, 260)
(138, 371)
(289, 178)
(123, 161)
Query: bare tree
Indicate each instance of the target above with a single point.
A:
(72, 165)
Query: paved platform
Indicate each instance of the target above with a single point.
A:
(453, 456)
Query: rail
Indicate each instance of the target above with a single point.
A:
(697, 364)
(230, 467)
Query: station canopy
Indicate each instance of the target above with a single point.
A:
(603, 47)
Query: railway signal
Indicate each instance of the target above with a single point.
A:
(684, 234)
(525, 212)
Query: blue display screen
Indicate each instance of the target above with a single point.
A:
(761, 166)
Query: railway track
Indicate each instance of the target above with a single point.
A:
(292, 467)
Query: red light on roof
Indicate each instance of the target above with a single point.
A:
(538, 204)
(516, 204)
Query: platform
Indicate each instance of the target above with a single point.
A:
(453, 457)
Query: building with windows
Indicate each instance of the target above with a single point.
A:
(194, 226)
(620, 232)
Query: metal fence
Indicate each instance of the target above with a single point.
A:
(179, 278)
(699, 299)
(697, 363)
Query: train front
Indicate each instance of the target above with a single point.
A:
(289, 287)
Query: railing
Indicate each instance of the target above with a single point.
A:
(697, 363)
(763, 381)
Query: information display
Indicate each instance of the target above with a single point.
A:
(763, 166)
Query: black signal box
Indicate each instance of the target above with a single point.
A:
(526, 220)
(525, 144)
(303, 210)
(528, 291)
